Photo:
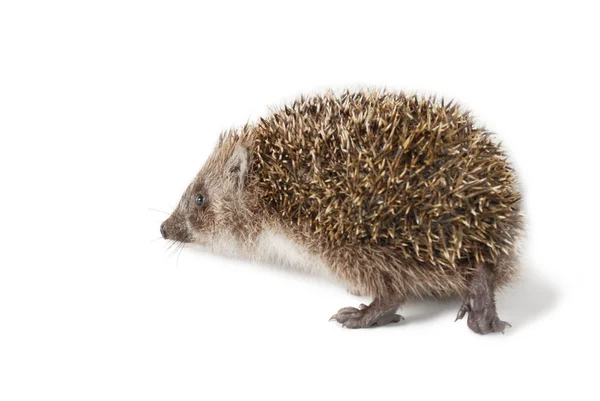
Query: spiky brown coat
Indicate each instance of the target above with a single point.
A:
(397, 194)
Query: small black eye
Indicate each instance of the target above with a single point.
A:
(199, 200)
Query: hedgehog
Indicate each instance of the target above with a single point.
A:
(394, 195)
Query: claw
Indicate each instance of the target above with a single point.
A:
(499, 326)
(464, 308)
(348, 309)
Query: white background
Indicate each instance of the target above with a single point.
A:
(108, 109)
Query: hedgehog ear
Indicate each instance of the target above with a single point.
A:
(237, 166)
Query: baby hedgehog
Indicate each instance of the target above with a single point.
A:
(396, 196)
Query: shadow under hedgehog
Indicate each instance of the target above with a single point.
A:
(394, 195)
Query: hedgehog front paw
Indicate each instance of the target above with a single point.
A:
(365, 316)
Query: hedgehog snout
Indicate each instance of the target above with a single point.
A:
(175, 229)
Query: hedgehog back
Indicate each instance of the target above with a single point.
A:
(388, 169)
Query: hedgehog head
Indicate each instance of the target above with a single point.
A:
(212, 208)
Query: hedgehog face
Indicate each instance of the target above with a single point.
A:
(209, 210)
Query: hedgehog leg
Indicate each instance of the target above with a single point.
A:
(380, 312)
(480, 304)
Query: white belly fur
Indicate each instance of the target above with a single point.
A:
(274, 247)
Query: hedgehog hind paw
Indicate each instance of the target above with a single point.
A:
(481, 306)
(483, 321)
(481, 325)
(367, 316)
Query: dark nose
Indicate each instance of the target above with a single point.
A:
(163, 230)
